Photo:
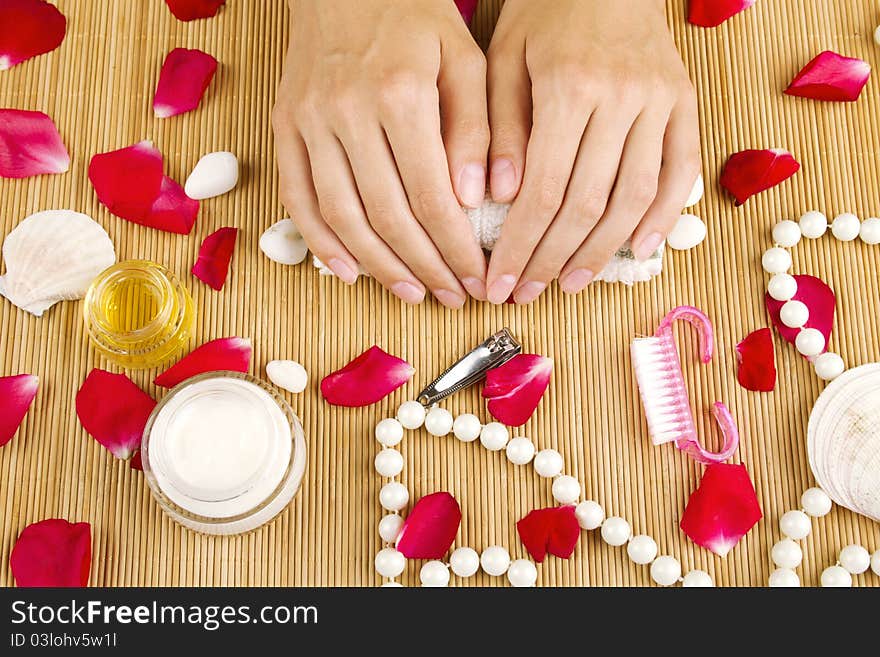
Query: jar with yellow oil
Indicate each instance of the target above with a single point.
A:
(138, 314)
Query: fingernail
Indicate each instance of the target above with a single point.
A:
(449, 299)
(648, 246)
(503, 180)
(472, 185)
(529, 292)
(576, 281)
(408, 292)
(475, 287)
(500, 290)
(343, 271)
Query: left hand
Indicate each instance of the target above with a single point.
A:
(594, 134)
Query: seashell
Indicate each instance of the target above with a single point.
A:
(214, 175)
(283, 243)
(287, 374)
(53, 256)
(688, 232)
(843, 440)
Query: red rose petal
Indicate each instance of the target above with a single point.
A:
(190, 10)
(430, 527)
(750, 172)
(114, 411)
(28, 28)
(757, 361)
(370, 377)
(212, 266)
(711, 13)
(30, 145)
(832, 77)
(722, 509)
(819, 299)
(515, 389)
(555, 531)
(16, 396)
(467, 9)
(52, 553)
(185, 76)
(135, 462)
(172, 211)
(224, 354)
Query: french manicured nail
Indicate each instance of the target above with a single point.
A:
(502, 180)
(648, 245)
(408, 292)
(576, 281)
(500, 290)
(472, 185)
(529, 292)
(449, 299)
(475, 287)
(343, 271)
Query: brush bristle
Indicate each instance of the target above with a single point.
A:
(661, 387)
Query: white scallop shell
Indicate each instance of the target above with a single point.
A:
(283, 243)
(53, 256)
(843, 440)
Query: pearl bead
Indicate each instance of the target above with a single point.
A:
(548, 463)
(813, 224)
(389, 527)
(494, 436)
(438, 421)
(836, 577)
(783, 578)
(495, 560)
(794, 314)
(688, 232)
(411, 414)
(566, 489)
(855, 559)
(389, 432)
(815, 502)
(389, 462)
(393, 496)
(522, 573)
(795, 524)
(464, 561)
(616, 531)
(434, 574)
(520, 451)
(589, 514)
(875, 563)
(787, 554)
(467, 428)
(696, 192)
(776, 260)
(642, 549)
(810, 342)
(828, 366)
(389, 562)
(870, 231)
(665, 570)
(846, 227)
(786, 233)
(782, 287)
(697, 579)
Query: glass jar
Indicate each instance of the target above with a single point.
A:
(138, 314)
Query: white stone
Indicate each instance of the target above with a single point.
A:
(389, 562)
(642, 549)
(464, 561)
(782, 287)
(787, 554)
(282, 243)
(438, 421)
(411, 414)
(697, 579)
(877, 41)
(875, 563)
(776, 260)
(467, 427)
(548, 463)
(688, 232)
(434, 574)
(795, 524)
(815, 502)
(855, 559)
(828, 366)
(870, 231)
(389, 527)
(697, 192)
(813, 224)
(665, 570)
(214, 175)
(616, 531)
(566, 489)
(836, 577)
(846, 227)
(389, 462)
(389, 432)
(393, 496)
(495, 560)
(522, 573)
(288, 374)
(783, 578)
(794, 314)
(520, 451)
(786, 233)
(810, 342)
(590, 514)
(494, 436)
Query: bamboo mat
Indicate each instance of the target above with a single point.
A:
(98, 87)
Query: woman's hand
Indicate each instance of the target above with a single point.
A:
(382, 134)
(594, 133)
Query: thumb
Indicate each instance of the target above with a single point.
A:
(510, 120)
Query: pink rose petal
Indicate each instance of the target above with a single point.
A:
(753, 171)
(185, 76)
(172, 211)
(515, 389)
(819, 299)
(370, 377)
(52, 553)
(223, 354)
(467, 9)
(757, 361)
(430, 527)
(711, 13)
(831, 77)
(212, 267)
(28, 28)
(30, 145)
(555, 531)
(190, 10)
(16, 396)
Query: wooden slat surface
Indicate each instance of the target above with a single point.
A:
(98, 87)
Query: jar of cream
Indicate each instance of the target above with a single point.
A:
(223, 453)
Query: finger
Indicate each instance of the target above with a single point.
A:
(634, 191)
(585, 201)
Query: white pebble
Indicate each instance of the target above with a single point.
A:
(438, 421)
(697, 579)
(389, 527)
(828, 366)
(642, 549)
(787, 554)
(464, 561)
(776, 260)
(494, 436)
(846, 227)
(810, 342)
(782, 287)
(522, 573)
(870, 231)
(393, 496)
(689, 231)
(389, 462)
(697, 192)
(665, 570)
(616, 531)
(813, 224)
(520, 451)
(855, 559)
(875, 563)
(411, 414)
(566, 489)
(794, 314)
(548, 463)
(214, 175)
(389, 562)
(836, 577)
(389, 432)
(783, 578)
(786, 233)
(467, 427)
(434, 574)
(816, 502)
(282, 243)
(795, 524)
(495, 560)
(590, 514)
(877, 41)
(288, 374)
